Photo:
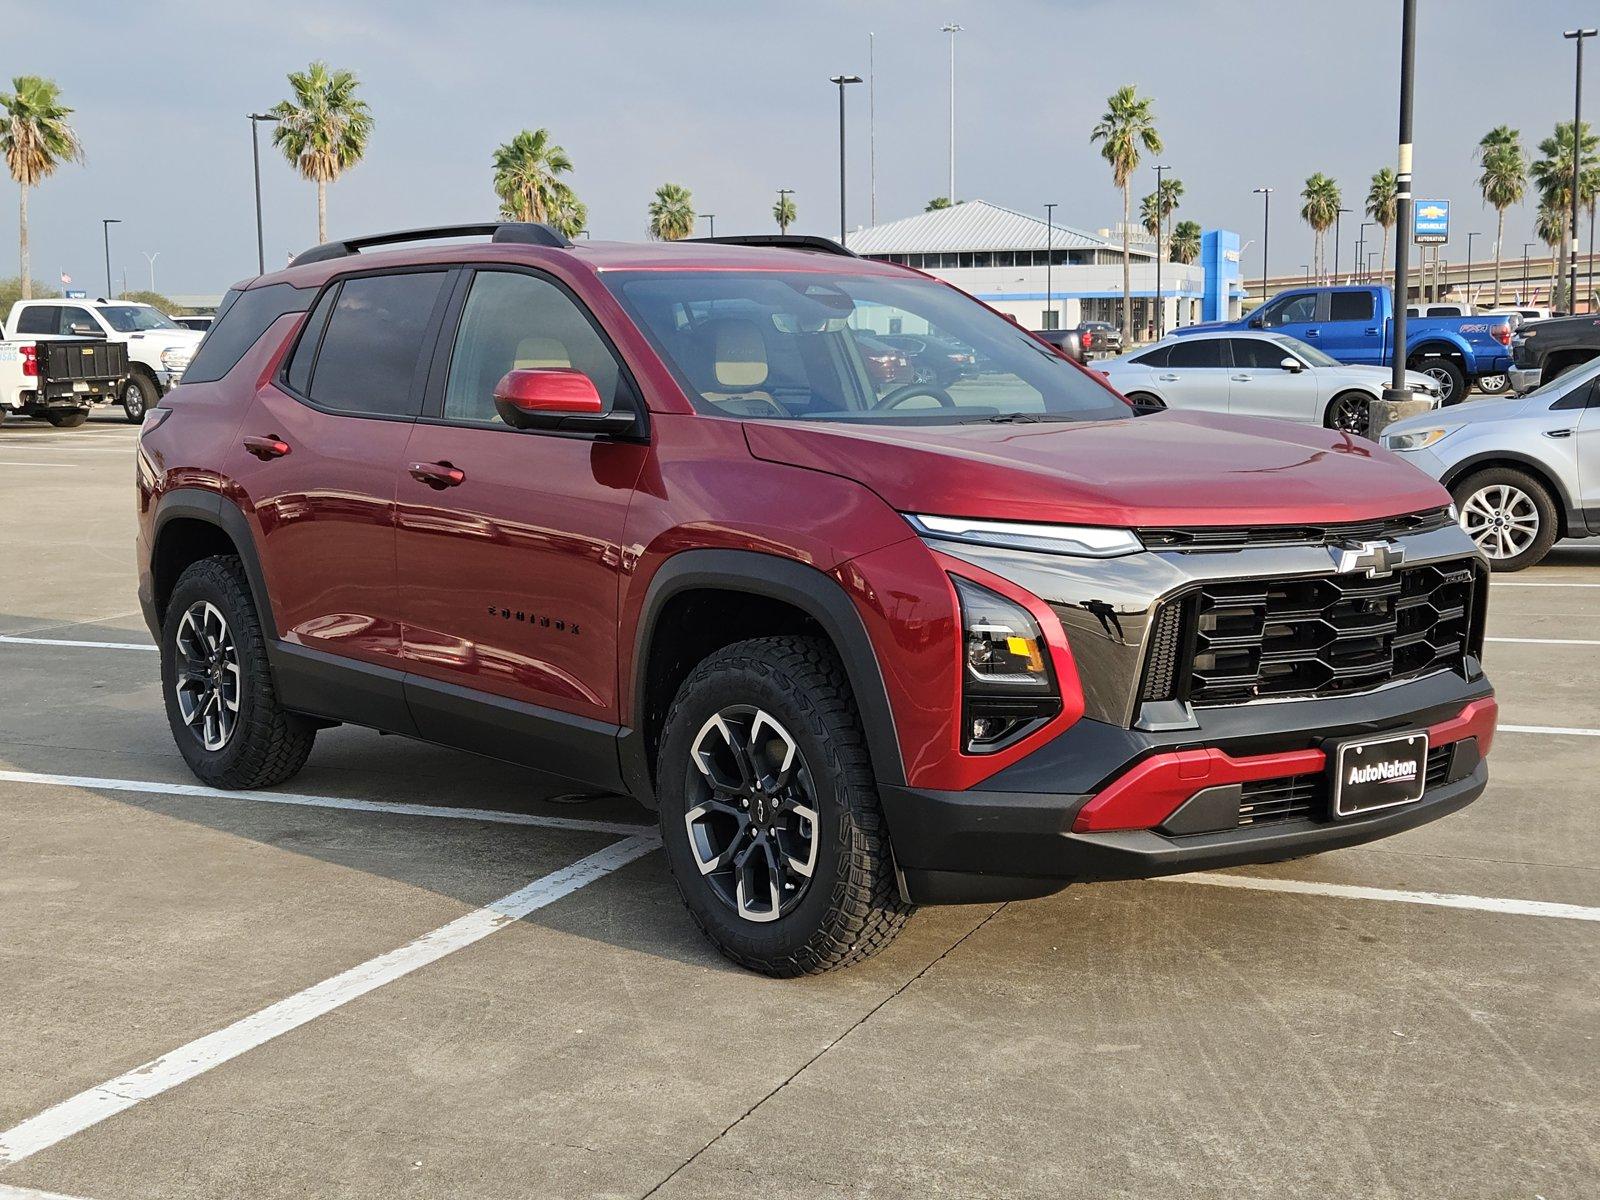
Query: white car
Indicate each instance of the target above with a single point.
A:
(158, 348)
(1256, 375)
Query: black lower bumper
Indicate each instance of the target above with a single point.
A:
(999, 843)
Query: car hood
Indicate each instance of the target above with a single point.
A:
(1171, 468)
(1470, 413)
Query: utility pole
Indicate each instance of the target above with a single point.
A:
(1049, 264)
(842, 81)
(1578, 36)
(1266, 229)
(952, 29)
(1397, 390)
(105, 229)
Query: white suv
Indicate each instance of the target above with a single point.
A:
(158, 348)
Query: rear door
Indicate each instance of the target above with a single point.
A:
(317, 456)
(1259, 386)
(1195, 375)
(1352, 332)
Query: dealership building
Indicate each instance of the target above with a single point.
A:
(1056, 276)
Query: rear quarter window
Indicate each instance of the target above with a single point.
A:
(37, 318)
(241, 320)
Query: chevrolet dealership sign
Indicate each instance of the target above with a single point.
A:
(1430, 221)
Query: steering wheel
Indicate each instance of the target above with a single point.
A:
(900, 395)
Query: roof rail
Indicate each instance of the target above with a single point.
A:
(782, 241)
(527, 233)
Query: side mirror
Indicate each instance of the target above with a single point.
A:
(1255, 322)
(555, 398)
(1293, 365)
(84, 329)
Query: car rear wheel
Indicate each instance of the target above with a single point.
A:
(67, 418)
(1509, 514)
(139, 393)
(1350, 413)
(1493, 385)
(769, 812)
(221, 703)
(1146, 402)
(1452, 380)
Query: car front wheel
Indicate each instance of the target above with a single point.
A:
(769, 812)
(1350, 413)
(1509, 514)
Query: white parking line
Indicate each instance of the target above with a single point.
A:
(60, 465)
(1556, 730)
(1539, 583)
(183, 1064)
(8, 1192)
(1548, 641)
(71, 643)
(201, 792)
(1345, 891)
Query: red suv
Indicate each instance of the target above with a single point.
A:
(642, 517)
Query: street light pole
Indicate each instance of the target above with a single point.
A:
(952, 29)
(1161, 221)
(1266, 228)
(1578, 36)
(105, 229)
(151, 258)
(842, 81)
(255, 155)
(1049, 264)
(1361, 244)
(1525, 246)
(1470, 236)
(711, 217)
(784, 194)
(1337, 213)
(1396, 391)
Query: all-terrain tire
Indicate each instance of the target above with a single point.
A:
(851, 907)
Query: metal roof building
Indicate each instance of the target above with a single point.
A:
(978, 226)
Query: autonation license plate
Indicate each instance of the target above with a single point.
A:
(1379, 773)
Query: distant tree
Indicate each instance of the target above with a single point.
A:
(1320, 209)
(672, 213)
(1383, 207)
(1552, 175)
(157, 301)
(784, 213)
(1126, 128)
(1550, 227)
(11, 290)
(571, 215)
(527, 177)
(1155, 214)
(1186, 241)
(1503, 183)
(936, 203)
(323, 130)
(36, 139)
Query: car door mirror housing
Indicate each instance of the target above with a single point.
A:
(84, 329)
(555, 398)
(1255, 322)
(1292, 365)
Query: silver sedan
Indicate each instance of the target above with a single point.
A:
(1258, 375)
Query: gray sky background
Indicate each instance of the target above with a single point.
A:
(732, 99)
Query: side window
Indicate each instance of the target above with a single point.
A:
(1152, 358)
(1196, 352)
(1350, 306)
(1257, 353)
(512, 320)
(37, 318)
(374, 340)
(79, 317)
(305, 351)
(244, 319)
(1286, 310)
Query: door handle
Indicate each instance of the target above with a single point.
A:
(1558, 433)
(437, 475)
(1373, 330)
(264, 448)
(1310, 333)
(1167, 378)
(1241, 378)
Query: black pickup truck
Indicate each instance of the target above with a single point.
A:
(59, 380)
(1545, 349)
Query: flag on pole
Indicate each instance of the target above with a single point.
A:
(65, 279)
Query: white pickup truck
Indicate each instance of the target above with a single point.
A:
(59, 379)
(158, 348)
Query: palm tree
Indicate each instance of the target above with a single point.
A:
(1550, 227)
(36, 139)
(570, 215)
(323, 131)
(672, 213)
(527, 172)
(936, 203)
(1503, 183)
(783, 212)
(1320, 208)
(1383, 207)
(1154, 213)
(1552, 175)
(1186, 241)
(1125, 128)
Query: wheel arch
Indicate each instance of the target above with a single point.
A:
(1567, 517)
(191, 524)
(752, 594)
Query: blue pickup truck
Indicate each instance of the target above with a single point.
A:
(1356, 325)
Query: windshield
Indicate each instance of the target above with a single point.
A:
(135, 318)
(1307, 351)
(815, 346)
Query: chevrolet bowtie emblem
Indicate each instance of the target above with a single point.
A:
(1377, 559)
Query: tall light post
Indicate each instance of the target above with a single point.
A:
(1578, 36)
(712, 218)
(255, 155)
(1361, 243)
(151, 259)
(843, 81)
(1161, 222)
(1525, 246)
(952, 29)
(872, 129)
(1397, 392)
(784, 194)
(1470, 236)
(1337, 213)
(105, 229)
(1266, 229)
(1049, 264)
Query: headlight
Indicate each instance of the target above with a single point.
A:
(1082, 541)
(1421, 439)
(1008, 689)
(176, 358)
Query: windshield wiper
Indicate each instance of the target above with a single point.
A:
(1016, 418)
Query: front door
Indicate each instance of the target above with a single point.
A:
(1259, 386)
(509, 541)
(1293, 314)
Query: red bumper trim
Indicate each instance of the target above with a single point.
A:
(1151, 791)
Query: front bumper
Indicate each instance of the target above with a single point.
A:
(1030, 830)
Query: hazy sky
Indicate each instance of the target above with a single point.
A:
(733, 100)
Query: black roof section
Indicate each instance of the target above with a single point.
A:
(526, 233)
(782, 241)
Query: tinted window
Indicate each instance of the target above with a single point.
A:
(1196, 352)
(1296, 309)
(1258, 353)
(37, 318)
(1152, 358)
(136, 318)
(374, 341)
(512, 321)
(240, 327)
(1350, 306)
(76, 316)
(305, 350)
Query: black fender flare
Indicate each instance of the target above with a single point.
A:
(213, 508)
(814, 593)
